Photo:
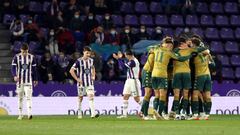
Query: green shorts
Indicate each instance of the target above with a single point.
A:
(203, 83)
(159, 83)
(182, 81)
(146, 79)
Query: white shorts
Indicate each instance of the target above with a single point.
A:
(26, 89)
(82, 91)
(132, 87)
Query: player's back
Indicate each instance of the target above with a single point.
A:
(201, 65)
(148, 66)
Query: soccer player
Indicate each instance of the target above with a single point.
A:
(25, 75)
(83, 72)
(147, 83)
(162, 55)
(182, 76)
(132, 85)
(202, 82)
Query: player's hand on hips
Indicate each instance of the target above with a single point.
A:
(93, 78)
(35, 83)
(16, 79)
(79, 81)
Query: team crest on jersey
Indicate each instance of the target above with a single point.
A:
(233, 93)
(87, 71)
(24, 66)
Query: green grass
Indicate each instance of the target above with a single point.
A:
(70, 125)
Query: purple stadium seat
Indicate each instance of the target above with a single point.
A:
(146, 20)
(34, 47)
(35, 6)
(150, 31)
(237, 72)
(23, 18)
(161, 20)
(227, 73)
(177, 20)
(202, 7)
(178, 30)
(126, 7)
(206, 20)
(131, 20)
(211, 33)
(141, 7)
(224, 59)
(216, 7)
(235, 20)
(227, 82)
(135, 30)
(155, 7)
(231, 47)
(192, 20)
(17, 46)
(168, 32)
(231, 7)
(221, 20)
(198, 31)
(99, 18)
(46, 4)
(235, 60)
(7, 19)
(216, 47)
(237, 33)
(117, 20)
(226, 33)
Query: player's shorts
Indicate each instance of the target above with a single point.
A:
(159, 83)
(87, 90)
(182, 81)
(203, 83)
(132, 87)
(24, 89)
(146, 79)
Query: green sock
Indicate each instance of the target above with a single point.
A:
(195, 107)
(155, 103)
(161, 106)
(144, 108)
(176, 106)
(207, 107)
(200, 106)
(184, 105)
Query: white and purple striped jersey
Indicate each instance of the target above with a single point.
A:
(24, 67)
(133, 68)
(84, 71)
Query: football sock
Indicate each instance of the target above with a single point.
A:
(29, 105)
(195, 107)
(176, 106)
(184, 105)
(155, 103)
(145, 106)
(161, 106)
(125, 107)
(91, 105)
(200, 109)
(20, 104)
(79, 107)
(207, 107)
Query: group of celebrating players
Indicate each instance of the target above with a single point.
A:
(179, 66)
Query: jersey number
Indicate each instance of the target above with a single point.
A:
(159, 57)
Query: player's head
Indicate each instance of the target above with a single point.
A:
(24, 48)
(129, 54)
(182, 42)
(87, 52)
(167, 42)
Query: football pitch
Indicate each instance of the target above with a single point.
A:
(109, 125)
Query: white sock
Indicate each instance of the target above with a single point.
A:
(79, 107)
(20, 105)
(91, 105)
(125, 107)
(29, 106)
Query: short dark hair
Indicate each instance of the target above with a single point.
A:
(24, 46)
(87, 48)
(129, 52)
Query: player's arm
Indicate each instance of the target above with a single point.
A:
(72, 72)
(34, 68)
(179, 57)
(14, 69)
(93, 73)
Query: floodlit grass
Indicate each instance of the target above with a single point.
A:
(109, 125)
